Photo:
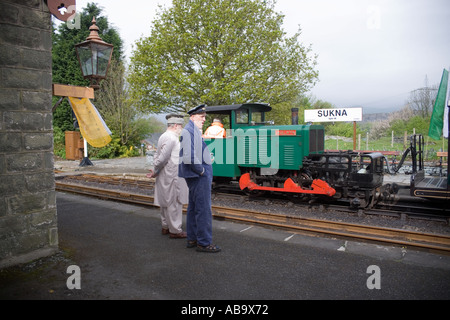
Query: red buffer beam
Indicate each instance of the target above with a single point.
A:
(318, 186)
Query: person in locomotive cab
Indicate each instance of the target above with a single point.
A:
(216, 130)
(196, 168)
(171, 191)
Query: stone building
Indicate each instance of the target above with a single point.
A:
(28, 218)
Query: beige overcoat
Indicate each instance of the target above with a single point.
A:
(169, 187)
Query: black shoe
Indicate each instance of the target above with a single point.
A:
(211, 248)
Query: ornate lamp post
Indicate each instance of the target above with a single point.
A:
(94, 56)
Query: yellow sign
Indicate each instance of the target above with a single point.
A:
(92, 126)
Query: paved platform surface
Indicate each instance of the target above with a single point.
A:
(121, 254)
(126, 166)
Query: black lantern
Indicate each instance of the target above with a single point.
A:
(94, 56)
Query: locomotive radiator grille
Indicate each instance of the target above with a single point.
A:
(250, 150)
(289, 158)
(316, 140)
(263, 150)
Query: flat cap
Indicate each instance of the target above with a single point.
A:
(197, 110)
(174, 118)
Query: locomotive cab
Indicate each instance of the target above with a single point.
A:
(240, 115)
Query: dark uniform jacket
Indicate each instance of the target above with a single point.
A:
(195, 158)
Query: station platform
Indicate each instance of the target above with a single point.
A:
(121, 254)
(138, 166)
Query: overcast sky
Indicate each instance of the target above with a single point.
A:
(371, 53)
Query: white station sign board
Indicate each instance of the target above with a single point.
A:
(333, 115)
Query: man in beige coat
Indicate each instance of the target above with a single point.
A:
(171, 191)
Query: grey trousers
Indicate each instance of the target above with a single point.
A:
(172, 217)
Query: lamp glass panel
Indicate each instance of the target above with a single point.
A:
(84, 53)
(102, 55)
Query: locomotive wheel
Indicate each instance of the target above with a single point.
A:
(254, 193)
(301, 197)
(366, 202)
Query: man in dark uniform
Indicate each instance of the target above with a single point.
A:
(195, 167)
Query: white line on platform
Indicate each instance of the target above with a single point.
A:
(289, 238)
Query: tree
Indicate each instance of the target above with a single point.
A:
(218, 52)
(112, 101)
(65, 66)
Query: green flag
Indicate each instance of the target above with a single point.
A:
(437, 118)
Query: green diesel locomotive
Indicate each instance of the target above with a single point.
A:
(291, 159)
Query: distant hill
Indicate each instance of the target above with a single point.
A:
(371, 117)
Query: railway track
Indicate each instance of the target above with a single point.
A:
(109, 180)
(289, 222)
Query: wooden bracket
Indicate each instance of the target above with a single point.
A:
(64, 91)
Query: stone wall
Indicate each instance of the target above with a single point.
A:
(28, 220)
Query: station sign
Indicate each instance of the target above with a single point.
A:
(333, 115)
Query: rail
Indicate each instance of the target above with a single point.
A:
(285, 221)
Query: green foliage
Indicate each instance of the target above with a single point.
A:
(115, 149)
(398, 126)
(342, 129)
(59, 142)
(281, 113)
(65, 66)
(218, 52)
(416, 123)
(419, 124)
(62, 116)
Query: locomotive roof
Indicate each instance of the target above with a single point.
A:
(255, 107)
